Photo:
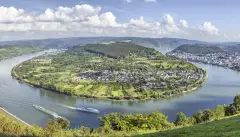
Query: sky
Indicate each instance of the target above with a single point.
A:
(206, 20)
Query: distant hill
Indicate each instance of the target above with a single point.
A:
(159, 43)
(171, 43)
(198, 49)
(119, 49)
(232, 49)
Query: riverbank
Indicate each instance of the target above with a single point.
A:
(162, 95)
(14, 51)
(5, 112)
(151, 124)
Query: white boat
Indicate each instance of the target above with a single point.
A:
(92, 110)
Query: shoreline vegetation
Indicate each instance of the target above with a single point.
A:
(152, 124)
(172, 93)
(14, 51)
(118, 71)
(5, 112)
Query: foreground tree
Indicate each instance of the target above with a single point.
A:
(236, 102)
(181, 119)
(219, 111)
(208, 115)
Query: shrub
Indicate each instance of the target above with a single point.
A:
(127, 122)
(208, 114)
(236, 102)
(181, 119)
(230, 110)
(219, 111)
(192, 120)
(199, 116)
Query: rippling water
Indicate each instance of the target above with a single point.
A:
(220, 88)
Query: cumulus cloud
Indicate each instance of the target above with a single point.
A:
(169, 23)
(209, 28)
(183, 23)
(13, 15)
(87, 20)
(66, 14)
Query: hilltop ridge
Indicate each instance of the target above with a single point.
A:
(198, 49)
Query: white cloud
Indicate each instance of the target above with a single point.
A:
(169, 23)
(13, 15)
(66, 14)
(86, 20)
(150, 0)
(209, 28)
(183, 23)
(168, 19)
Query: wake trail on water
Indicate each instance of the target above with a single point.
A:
(68, 107)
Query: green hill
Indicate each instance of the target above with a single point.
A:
(116, 50)
(111, 71)
(198, 49)
(222, 128)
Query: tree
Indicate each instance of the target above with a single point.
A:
(181, 119)
(199, 116)
(219, 111)
(56, 125)
(84, 130)
(192, 120)
(208, 114)
(236, 102)
(230, 110)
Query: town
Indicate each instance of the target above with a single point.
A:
(223, 59)
(146, 80)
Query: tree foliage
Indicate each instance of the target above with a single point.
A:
(181, 119)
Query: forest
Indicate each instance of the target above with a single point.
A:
(199, 49)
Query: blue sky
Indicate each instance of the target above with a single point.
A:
(209, 20)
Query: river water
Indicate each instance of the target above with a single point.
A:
(220, 88)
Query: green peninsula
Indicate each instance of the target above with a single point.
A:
(116, 71)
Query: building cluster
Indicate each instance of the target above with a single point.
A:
(145, 80)
(223, 59)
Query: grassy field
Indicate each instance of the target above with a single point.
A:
(228, 127)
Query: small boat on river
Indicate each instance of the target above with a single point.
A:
(90, 110)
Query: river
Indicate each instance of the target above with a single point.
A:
(17, 97)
